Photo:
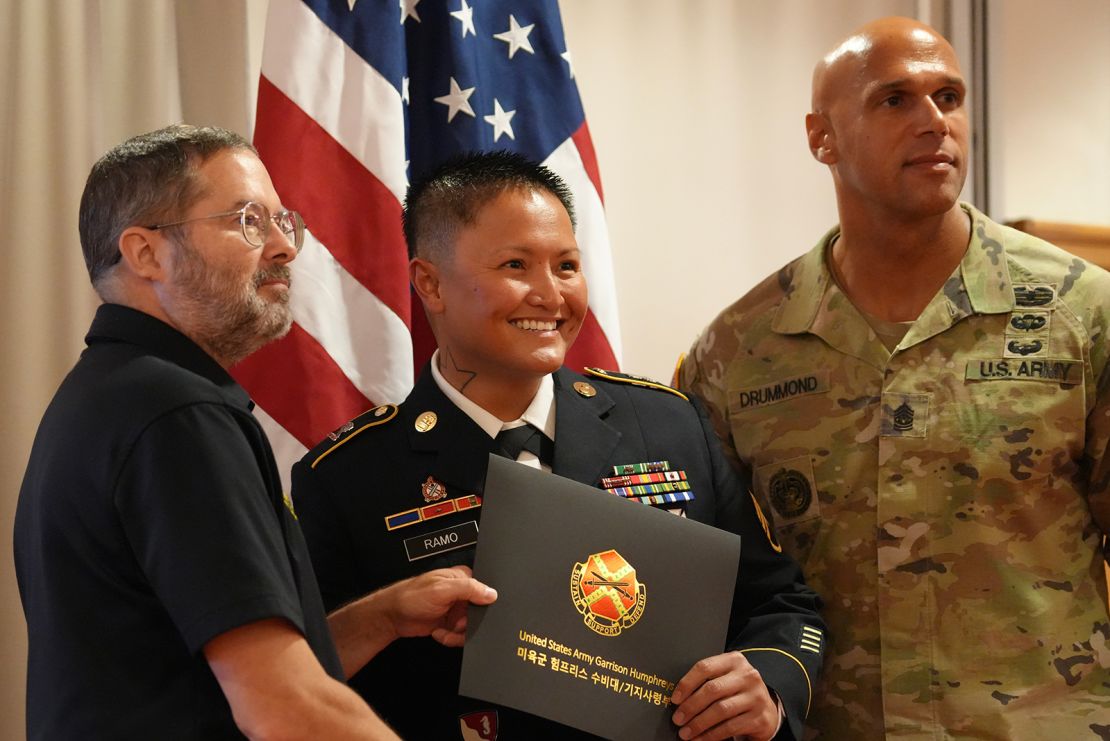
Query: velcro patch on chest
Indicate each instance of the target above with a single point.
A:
(905, 415)
(1062, 371)
(814, 382)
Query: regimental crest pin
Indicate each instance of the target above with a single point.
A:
(607, 594)
(433, 490)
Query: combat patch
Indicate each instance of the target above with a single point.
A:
(905, 415)
(1062, 371)
(754, 397)
(789, 487)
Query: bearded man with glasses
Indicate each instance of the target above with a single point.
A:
(163, 574)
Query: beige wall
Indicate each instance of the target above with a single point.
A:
(698, 125)
(695, 108)
(1050, 110)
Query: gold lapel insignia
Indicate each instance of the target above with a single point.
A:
(585, 389)
(426, 421)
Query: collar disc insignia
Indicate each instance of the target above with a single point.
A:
(426, 421)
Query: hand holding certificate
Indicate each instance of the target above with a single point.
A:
(604, 604)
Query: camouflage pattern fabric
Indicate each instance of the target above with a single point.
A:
(948, 501)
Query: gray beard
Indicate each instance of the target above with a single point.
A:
(228, 320)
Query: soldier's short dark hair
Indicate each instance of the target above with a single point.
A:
(148, 179)
(452, 194)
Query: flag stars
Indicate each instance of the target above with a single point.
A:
(408, 10)
(499, 120)
(516, 37)
(351, 5)
(465, 15)
(570, 65)
(457, 101)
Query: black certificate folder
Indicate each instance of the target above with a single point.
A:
(603, 603)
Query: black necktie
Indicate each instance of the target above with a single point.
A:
(526, 437)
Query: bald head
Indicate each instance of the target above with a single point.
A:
(846, 67)
(889, 120)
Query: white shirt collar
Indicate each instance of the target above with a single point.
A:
(540, 412)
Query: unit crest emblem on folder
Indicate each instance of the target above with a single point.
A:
(606, 593)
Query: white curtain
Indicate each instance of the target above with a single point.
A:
(76, 77)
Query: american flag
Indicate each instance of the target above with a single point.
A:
(356, 97)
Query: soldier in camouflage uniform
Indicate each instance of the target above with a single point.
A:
(924, 403)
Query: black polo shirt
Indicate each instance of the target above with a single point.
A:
(150, 520)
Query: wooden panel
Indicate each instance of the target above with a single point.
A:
(1089, 242)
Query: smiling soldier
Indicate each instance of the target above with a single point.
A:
(496, 264)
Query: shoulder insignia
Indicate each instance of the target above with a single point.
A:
(766, 526)
(677, 368)
(633, 380)
(377, 416)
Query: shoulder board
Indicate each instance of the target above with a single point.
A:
(372, 418)
(632, 380)
(677, 369)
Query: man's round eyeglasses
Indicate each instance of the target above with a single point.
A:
(255, 220)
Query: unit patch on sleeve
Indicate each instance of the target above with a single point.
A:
(789, 486)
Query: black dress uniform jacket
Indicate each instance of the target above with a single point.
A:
(375, 466)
